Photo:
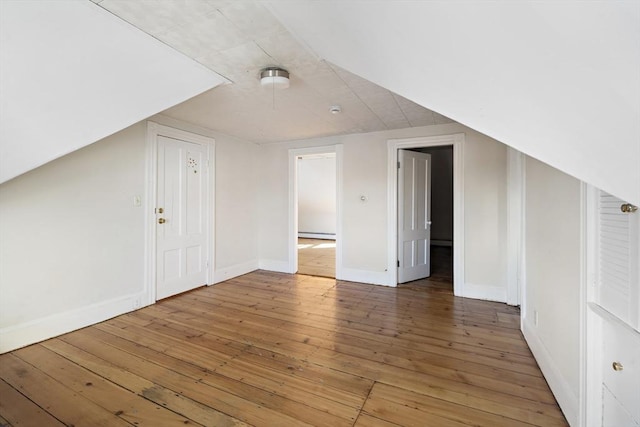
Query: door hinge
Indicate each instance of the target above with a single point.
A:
(398, 263)
(398, 165)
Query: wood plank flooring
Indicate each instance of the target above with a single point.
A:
(317, 257)
(271, 349)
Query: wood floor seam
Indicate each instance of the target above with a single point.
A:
(273, 349)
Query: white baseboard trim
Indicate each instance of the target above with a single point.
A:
(567, 400)
(33, 331)
(322, 236)
(273, 265)
(484, 292)
(364, 276)
(226, 273)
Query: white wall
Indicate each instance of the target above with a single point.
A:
(72, 241)
(236, 206)
(552, 248)
(365, 245)
(317, 195)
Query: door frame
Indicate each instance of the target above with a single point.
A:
(393, 145)
(591, 315)
(516, 275)
(293, 204)
(154, 130)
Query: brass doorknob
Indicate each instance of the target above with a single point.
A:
(161, 220)
(628, 208)
(617, 366)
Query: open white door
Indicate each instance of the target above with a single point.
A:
(181, 216)
(414, 215)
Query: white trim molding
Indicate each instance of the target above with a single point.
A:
(274, 265)
(153, 131)
(393, 145)
(591, 319)
(485, 292)
(225, 273)
(292, 263)
(319, 236)
(365, 276)
(568, 401)
(515, 225)
(17, 336)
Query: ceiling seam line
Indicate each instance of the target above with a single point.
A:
(356, 94)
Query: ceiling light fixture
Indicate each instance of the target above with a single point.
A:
(276, 77)
(335, 109)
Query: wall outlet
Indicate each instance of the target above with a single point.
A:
(137, 200)
(136, 303)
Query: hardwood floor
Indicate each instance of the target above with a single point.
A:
(317, 257)
(271, 349)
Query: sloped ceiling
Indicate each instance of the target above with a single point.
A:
(239, 38)
(559, 81)
(72, 73)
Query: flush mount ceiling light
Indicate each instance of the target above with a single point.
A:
(276, 77)
(335, 109)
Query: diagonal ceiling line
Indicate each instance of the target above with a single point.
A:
(355, 93)
(228, 79)
(395, 99)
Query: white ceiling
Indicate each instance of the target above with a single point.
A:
(556, 80)
(236, 39)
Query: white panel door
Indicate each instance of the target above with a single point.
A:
(414, 215)
(181, 216)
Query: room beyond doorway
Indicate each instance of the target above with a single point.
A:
(317, 257)
(393, 146)
(441, 279)
(309, 215)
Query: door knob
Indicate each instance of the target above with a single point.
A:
(628, 208)
(161, 220)
(617, 366)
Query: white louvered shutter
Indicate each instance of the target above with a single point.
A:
(618, 241)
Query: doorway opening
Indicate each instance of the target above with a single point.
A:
(317, 214)
(315, 185)
(443, 227)
(441, 215)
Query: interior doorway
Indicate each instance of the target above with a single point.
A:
(430, 217)
(179, 251)
(441, 213)
(317, 214)
(315, 192)
(447, 224)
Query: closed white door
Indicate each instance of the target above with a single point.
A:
(414, 216)
(181, 216)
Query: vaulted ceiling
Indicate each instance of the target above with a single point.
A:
(237, 39)
(559, 81)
